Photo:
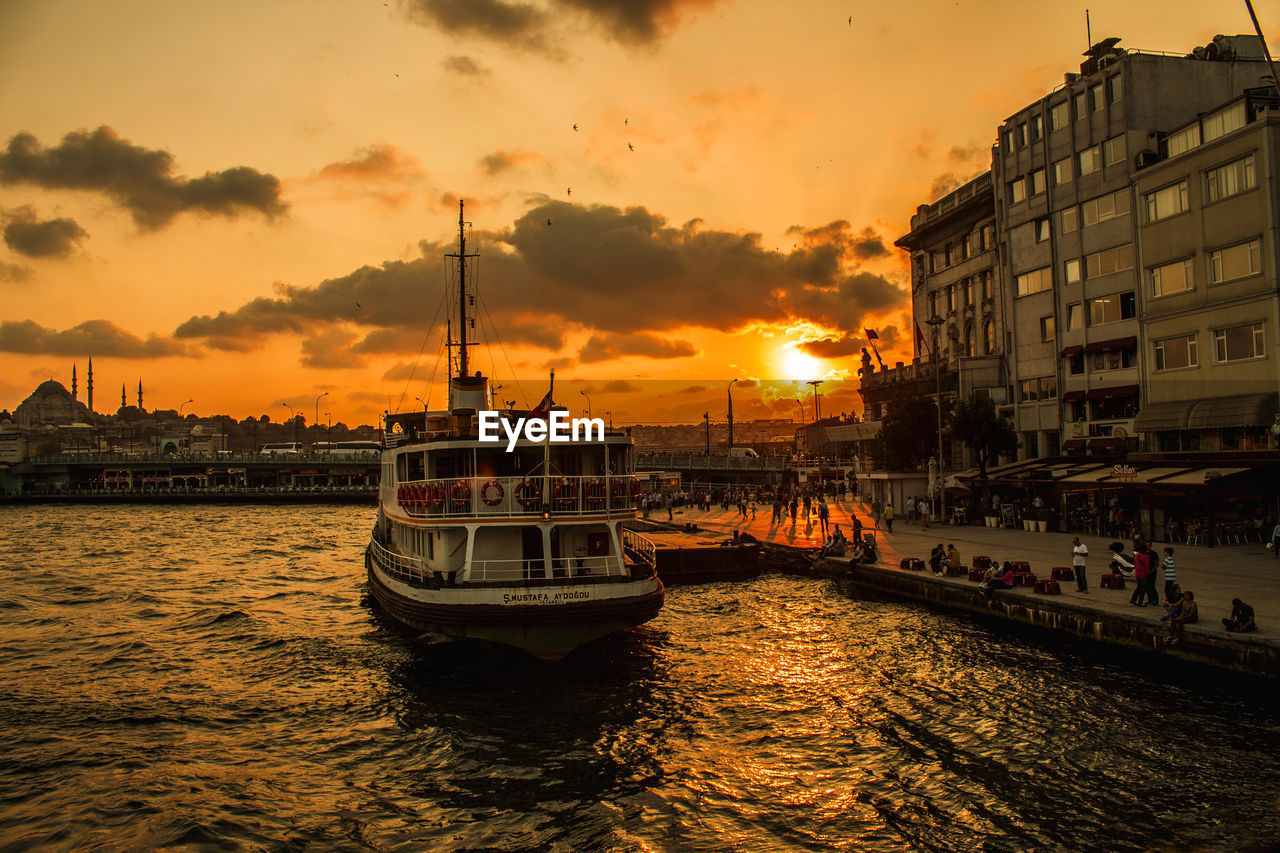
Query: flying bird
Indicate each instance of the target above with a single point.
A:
(569, 191)
(626, 121)
(575, 127)
(851, 20)
(631, 147)
(548, 221)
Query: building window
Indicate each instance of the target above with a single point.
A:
(986, 284)
(1169, 201)
(973, 242)
(1048, 387)
(1017, 190)
(1183, 140)
(1114, 359)
(1223, 122)
(954, 255)
(951, 298)
(1070, 220)
(989, 337)
(1047, 328)
(988, 236)
(1105, 207)
(1030, 390)
(1234, 177)
(1108, 261)
(1071, 271)
(1176, 353)
(1059, 116)
(1022, 135)
(1090, 160)
(1037, 128)
(1113, 150)
(966, 292)
(1099, 101)
(1177, 277)
(1114, 409)
(1037, 182)
(1082, 105)
(1075, 364)
(1034, 281)
(1062, 171)
(1042, 229)
(1115, 88)
(1233, 262)
(1075, 317)
(1112, 308)
(1239, 342)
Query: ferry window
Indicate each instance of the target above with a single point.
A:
(415, 466)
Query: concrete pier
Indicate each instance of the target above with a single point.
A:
(1246, 571)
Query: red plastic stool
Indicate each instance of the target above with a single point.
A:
(1048, 587)
(1115, 581)
(1063, 573)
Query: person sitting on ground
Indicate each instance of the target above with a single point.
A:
(953, 556)
(1172, 603)
(1003, 580)
(1241, 619)
(935, 559)
(1189, 612)
(837, 545)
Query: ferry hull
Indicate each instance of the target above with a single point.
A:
(548, 632)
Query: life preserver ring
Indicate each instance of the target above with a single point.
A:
(593, 491)
(618, 489)
(527, 493)
(492, 492)
(566, 491)
(433, 495)
(460, 493)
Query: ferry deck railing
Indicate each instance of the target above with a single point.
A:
(488, 571)
(407, 569)
(639, 548)
(508, 497)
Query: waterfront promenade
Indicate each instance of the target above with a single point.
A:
(1216, 575)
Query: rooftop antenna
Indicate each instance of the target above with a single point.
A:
(1266, 51)
(1088, 31)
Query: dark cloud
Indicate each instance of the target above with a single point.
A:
(605, 346)
(330, 349)
(619, 386)
(94, 337)
(50, 238)
(693, 389)
(868, 245)
(464, 66)
(845, 345)
(14, 272)
(504, 161)
(139, 179)
(635, 21)
(624, 275)
(746, 383)
(516, 25)
(401, 371)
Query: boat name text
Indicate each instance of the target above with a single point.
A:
(543, 598)
(556, 428)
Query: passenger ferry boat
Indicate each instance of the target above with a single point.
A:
(523, 547)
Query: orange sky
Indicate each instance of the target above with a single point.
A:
(244, 204)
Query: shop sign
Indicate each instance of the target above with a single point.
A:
(1123, 472)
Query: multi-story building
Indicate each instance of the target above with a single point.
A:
(1209, 239)
(1063, 171)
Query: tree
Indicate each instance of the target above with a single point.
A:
(977, 425)
(908, 434)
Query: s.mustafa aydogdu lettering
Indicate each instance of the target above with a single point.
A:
(557, 428)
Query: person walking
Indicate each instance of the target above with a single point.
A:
(824, 516)
(911, 509)
(1170, 573)
(888, 517)
(1079, 553)
(1141, 570)
(923, 508)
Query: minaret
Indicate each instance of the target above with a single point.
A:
(139, 395)
(89, 385)
(73, 381)
(122, 400)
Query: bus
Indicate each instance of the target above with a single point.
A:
(348, 449)
(282, 448)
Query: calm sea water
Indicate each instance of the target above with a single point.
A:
(217, 678)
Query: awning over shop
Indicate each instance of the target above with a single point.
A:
(1112, 393)
(1073, 443)
(1091, 474)
(1146, 475)
(1113, 344)
(1199, 476)
(1106, 445)
(1072, 396)
(1243, 410)
(1162, 417)
(1074, 350)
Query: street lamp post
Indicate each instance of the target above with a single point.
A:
(936, 322)
(588, 396)
(816, 409)
(181, 406)
(317, 417)
(609, 415)
(293, 419)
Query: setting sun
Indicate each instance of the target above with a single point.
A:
(800, 366)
